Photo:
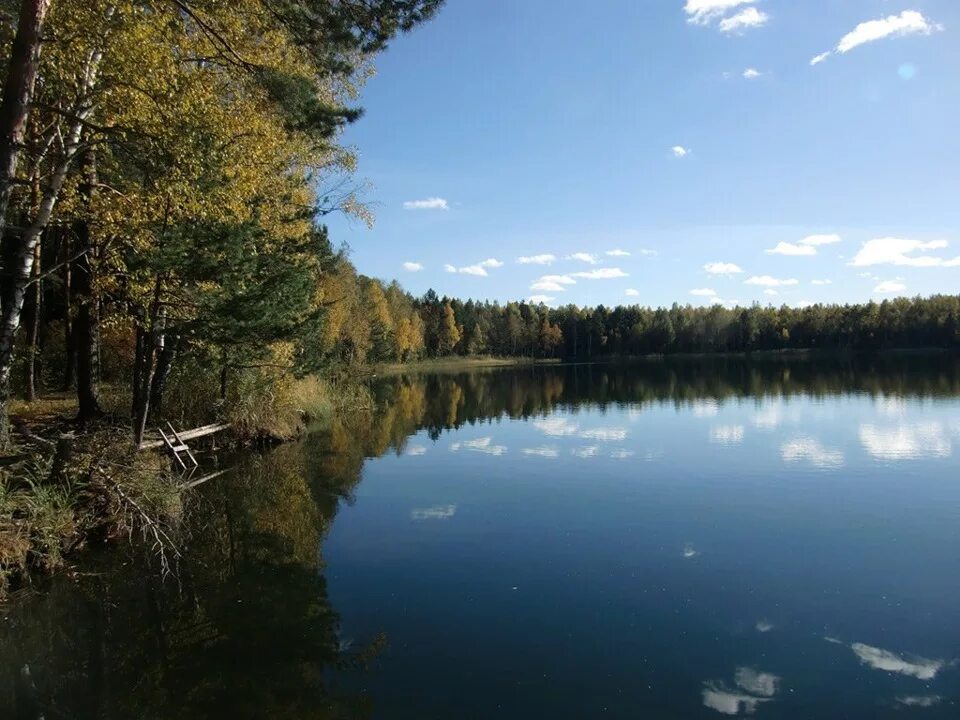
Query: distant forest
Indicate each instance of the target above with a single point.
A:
(383, 323)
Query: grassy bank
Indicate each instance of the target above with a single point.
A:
(455, 364)
(63, 487)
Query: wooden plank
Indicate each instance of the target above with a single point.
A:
(182, 446)
(187, 435)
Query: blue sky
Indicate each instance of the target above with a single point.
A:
(687, 133)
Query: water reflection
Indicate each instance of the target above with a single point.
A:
(752, 689)
(641, 512)
(246, 632)
(906, 441)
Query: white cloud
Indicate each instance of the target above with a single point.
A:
(647, 251)
(632, 292)
(803, 304)
(768, 281)
(770, 291)
(552, 283)
(806, 246)
(583, 257)
(434, 203)
(751, 74)
(805, 448)
(747, 18)
(689, 551)
(764, 626)
(727, 434)
(601, 274)
(479, 269)
(556, 426)
(622, 454)
(821, 282)
(482, 445)
(705, 408)
(900, 251)
(757, 683)
(703, 12)
(412, 266)
(913, 666)
(542, 451)
(919, 700)
(704, 292)
(435, 512)
(889, 286)
(680, 151)
(610, 434)
(906, 441)
(586, 452)
(722, 268)
(538, 299)
(785, 248)
(617, 253)
(908, 22)
(817, 59)
(416, 450)
(544, 259)
(768, 418)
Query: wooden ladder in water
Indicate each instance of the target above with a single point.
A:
(176, 446)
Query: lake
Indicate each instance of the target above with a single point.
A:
(667, 539)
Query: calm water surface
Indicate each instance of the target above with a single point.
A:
(664, 540)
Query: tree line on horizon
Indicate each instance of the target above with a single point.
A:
(382, 323)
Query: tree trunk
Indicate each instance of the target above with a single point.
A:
(23, 247)
(33, 329)
(69, 342)
(17, 94)
(162, 373)
(86, 326)
(150, 340)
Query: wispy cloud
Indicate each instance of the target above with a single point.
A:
(745, 19)
(434, 203)
(552, 283)
(601, 274)
(609, 434)
(821, 282)
(704, 12)
(617, 253)
(805, 448)
(906, 441)
(912, 665)
(540, 299)
(556, 426)
(632, 292)
(435, 512)
(909, 22)
(902, 251)
(727, 434)
(481, 445)
(542, 451)
(704, 292)
(722, 268)
(412, 266)
(751, 73)
(544, 259)
(416, 450)
(752, 688)
(887, 287)
(588, 258)
(806, 246)
(680, 151)
(770, 291)
(479, 269)
(768, 281)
